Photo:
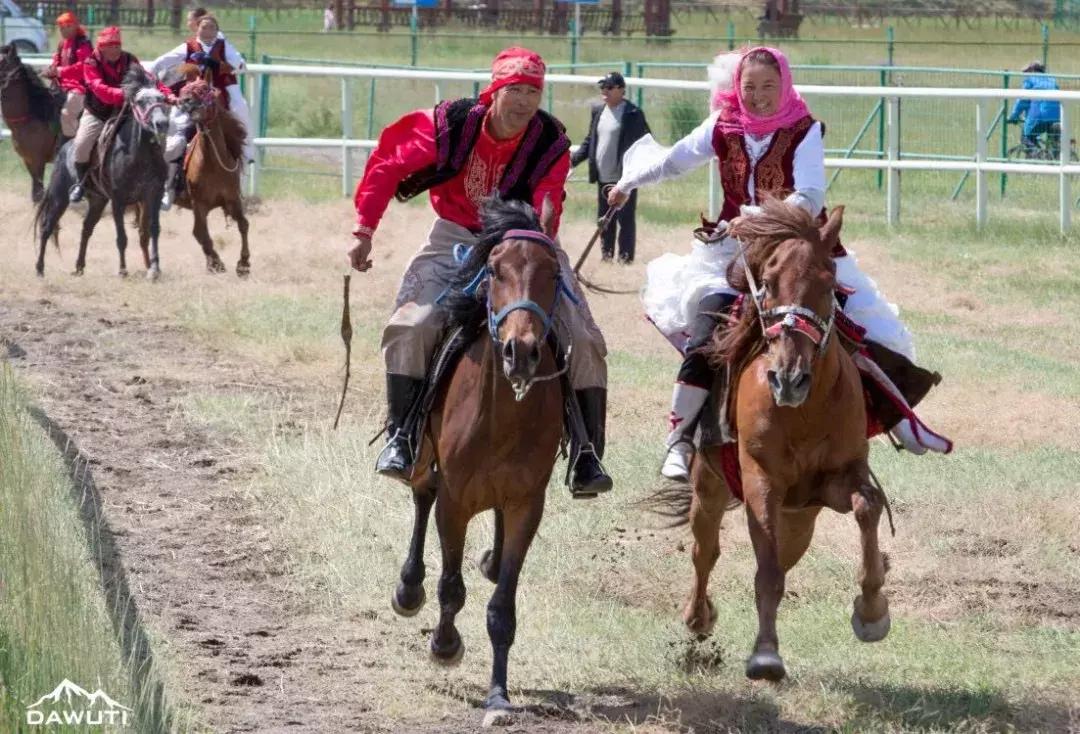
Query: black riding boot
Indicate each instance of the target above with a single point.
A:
(75, 194)
(587, 475)
(396, 458)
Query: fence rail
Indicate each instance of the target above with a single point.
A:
(889, 161)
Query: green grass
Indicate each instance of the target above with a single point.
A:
(55, 623)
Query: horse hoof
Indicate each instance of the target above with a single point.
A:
(697, 625)
(765, 666)
(870, 631)
(123, 272)
(243, 271)
(215, 267)
(487, 567)
(407, 601)
(153, 274)
(449, 656)
(499, 716)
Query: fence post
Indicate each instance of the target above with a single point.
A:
(574, 33)
(413, 40)
(1064, 190)
(257, 114)
(346, 135)
(641, 90)
(371, 110)
(892, 178)
(1045, 45)
(982, 107)
(1004, 131)
(730, 35)
(251, 36)
(890, 43)
(881, 133)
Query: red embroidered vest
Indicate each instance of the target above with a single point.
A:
(221, 79)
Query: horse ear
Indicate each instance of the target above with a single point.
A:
(830, 231)
(547, 216)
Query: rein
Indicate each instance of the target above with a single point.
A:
(788, 319)
(495, 320)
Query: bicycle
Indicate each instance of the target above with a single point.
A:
(1047, 147)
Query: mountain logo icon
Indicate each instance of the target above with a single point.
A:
(70, 703)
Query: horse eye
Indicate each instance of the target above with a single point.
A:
(493, 272)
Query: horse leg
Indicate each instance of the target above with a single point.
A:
(870, 618)
(236, 211)
(121, 236)
(521, 524)
(491, 559)
(94, 211)
(409, 596)
(153, 262)
(707, 504)
(452, 520)
(796, 533)
(763, 517)
(37, 176)
(202, 236)
(142, 220)
(50, 227)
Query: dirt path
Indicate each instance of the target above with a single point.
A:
(204, 575)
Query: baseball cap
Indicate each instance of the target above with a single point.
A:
(612, 79)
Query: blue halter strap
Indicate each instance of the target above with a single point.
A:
(547, 318)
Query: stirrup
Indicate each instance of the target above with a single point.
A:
(401, 444)
(598, 485)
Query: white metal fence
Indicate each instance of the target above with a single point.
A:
(980, 165)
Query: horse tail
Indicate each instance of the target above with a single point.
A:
(671, 502)
(60, 183)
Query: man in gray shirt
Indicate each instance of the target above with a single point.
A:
(616, 125)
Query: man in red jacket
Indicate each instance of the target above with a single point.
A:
(66, 70)
(103, 73)
(460, 153)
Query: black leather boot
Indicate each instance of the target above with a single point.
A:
(396, 459)
(75, 194)
(587, 475)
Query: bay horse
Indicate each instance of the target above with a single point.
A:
(800, 419)
(128, 170)
(212, 166)
(492, 438)
(31, 111)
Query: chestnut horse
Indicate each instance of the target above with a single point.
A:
(798, 410)
(492, 439)
(32, 112)
(213, 163)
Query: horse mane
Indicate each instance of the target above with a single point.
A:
(44, 105)
(498, 216)
(760, 234)
(135, 80)
(233, 130)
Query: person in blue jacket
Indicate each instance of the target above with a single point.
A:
(1042, 116)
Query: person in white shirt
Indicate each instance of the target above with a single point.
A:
(767, 144)
(218, 61)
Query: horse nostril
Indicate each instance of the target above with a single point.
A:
(534, 355)
(774, 380)
(508, 351)
(803, 381)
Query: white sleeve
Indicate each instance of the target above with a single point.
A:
(233, 57)
(652, 163)
(809, 172)
(169, 60)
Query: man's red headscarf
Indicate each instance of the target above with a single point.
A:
(108, 36)
(514, 65)
(67, 18)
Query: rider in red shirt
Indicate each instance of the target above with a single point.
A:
(66, 70)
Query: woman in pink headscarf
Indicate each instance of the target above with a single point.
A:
(768, 145)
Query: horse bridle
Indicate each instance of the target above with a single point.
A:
(495, 320)
(142, 116)
(791, 319)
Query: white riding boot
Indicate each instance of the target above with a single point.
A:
(686, 402)
(170, 187)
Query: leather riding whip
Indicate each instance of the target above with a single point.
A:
(346, 336)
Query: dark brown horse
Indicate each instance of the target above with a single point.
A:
(213, 164)
(32, 112)
(798, 410)
(494, 430)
